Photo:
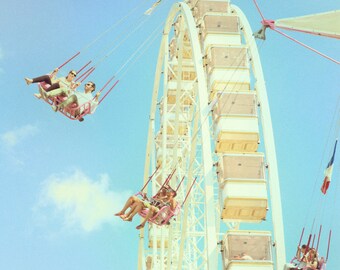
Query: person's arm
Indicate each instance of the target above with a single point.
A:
(96, 97)
(173, 204)
(74, 85)
(54, 73)
(94, 102)
(298, 253)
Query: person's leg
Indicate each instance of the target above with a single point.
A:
(139, 207)
(69, 101)
(150, 214)
(57, 92)
(43, 78)
(129, 202)
(132, 208)
(53, 87)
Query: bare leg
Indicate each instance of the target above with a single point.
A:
(129, 202)
(137, 209)
(132, 208)
(152, 211)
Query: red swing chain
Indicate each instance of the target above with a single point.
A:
(74, 56)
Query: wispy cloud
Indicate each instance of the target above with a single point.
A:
(80, 202)
(13, 137)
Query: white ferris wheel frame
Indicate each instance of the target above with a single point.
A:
(211, 221)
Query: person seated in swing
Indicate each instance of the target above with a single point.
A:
(311, 260)
(66, 83)
(77, 98)
(134, 202)
(163, 197)
(153, 210)
(301, 256)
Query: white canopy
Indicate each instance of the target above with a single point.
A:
(324, 24)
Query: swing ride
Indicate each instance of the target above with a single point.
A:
(210, 135)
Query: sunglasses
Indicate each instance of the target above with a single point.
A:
(89, 84)
(74, 74)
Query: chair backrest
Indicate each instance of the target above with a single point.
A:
(165, 214)
(44, 85)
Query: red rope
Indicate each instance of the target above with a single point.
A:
(306, 46)
(193, 182)
(258, 9)
(303, 230)
(85, 72)
(80, 70)
(106, 84)
(308, 243)
(88, 74)
(180, 183)
(329, 243)
(108, 92)
(317, 245)
(166, 181)
(313, 240)
(169, 177)
(74, 56)
(150, 177)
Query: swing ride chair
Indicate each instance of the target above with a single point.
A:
(72, 111)
(163, 216)
(165, 213)
(295, 262)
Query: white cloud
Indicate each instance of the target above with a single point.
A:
(80, 202)
(13, 137)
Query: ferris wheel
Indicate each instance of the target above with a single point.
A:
(210, 127)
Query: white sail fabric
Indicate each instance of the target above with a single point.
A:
(324, 24)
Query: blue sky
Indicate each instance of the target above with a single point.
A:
(45, 159)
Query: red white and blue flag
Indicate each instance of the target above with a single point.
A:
(328, 172)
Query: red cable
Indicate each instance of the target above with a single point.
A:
(306, 46)
(74, 56)
(308, 243)
(303, 230)
(193, 182)
(258, 9)
(80, 70)
(180, 183)
(150, 177)
(313, 240)
(106, 84)
(108, 92)
(317, 245)
(329, 243)
(85, 72)
(88, 74)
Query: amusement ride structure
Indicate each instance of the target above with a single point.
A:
(210, 128)
(210, 121)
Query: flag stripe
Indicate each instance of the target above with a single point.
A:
(328, 172)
